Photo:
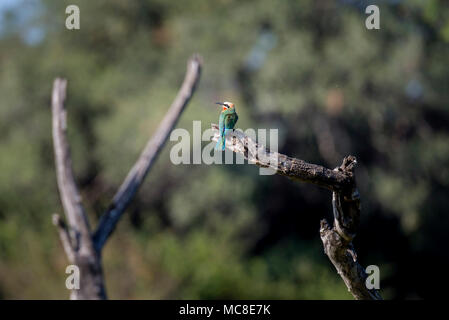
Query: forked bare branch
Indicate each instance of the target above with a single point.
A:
(76, 237)
(137, 174)
(337, 240)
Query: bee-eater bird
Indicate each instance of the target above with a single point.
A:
(228, 119)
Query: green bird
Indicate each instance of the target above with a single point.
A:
(228, 119)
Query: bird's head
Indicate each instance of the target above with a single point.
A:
(226, 105)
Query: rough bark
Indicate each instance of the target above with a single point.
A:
(293, 168)
(76, 237)
(337, 240)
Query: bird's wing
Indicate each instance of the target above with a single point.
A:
(221, 125)
(230, 120)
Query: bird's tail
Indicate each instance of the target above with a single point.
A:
(220, 146)
(221, 143)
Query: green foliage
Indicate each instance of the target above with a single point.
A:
(331, 86)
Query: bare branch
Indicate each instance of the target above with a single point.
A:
(291, 167)
(77, 240)
(343, 257)
(135, 177)
(64, 236)
(71, 199)
(337, 240)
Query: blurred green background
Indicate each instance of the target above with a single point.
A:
(309, 68)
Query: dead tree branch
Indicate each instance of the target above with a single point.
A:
(291, 167)
(77, 236)
(337, 241)
(81, 247)
(65, 237)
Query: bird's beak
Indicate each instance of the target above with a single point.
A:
(220, 103)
